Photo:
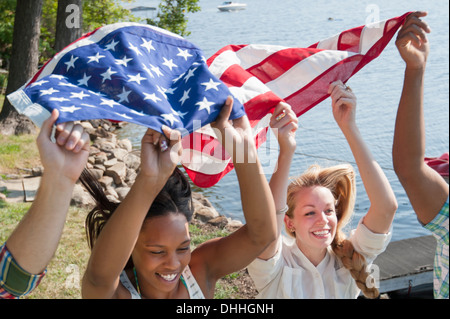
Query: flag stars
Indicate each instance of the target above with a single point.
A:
(109, 102)
(50, 91)
(111, 45)
(84, 80)
(189, 75)
(69, 109)
(169, 64)
(107, 75)
(95, 58)
(136, 78)
(80, 95)
(123, 97)
(152, 97)
(156, 70)
(211, 85)
(124, 61)
(171, 118)
(39, 83)
(71, 63)
(135, 49)
(184, 54)
(205, 105)
(185, 96)
(148, 45)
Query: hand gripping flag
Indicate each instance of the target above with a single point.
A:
(127, 72)
(260, 76)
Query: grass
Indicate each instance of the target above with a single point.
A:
(18, 152)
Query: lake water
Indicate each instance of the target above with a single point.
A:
(377, 87)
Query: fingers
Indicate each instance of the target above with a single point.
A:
(68, 135)
(72, 137)
(414, 30)
(225, 112)
(47, 125)
(283, 115)
(167, 140)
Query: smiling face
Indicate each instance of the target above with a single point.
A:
(161, 253)
(314, 221)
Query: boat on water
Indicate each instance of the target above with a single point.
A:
(232, 6)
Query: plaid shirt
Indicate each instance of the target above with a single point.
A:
(439, 227)
(15, 281)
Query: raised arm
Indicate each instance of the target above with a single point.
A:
(426, 189)
(34, 241)
(284, 124)
(115, 243)
(223, 256)
(383, 203)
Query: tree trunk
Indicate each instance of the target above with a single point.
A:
(69, 23)
(23, 63)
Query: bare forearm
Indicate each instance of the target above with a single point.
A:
(280, 180)
(409, 138)
(257, 202)
(383, 202)
(118, 238)
(34, 241)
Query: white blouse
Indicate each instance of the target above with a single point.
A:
(289, 274)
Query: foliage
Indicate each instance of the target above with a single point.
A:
(95, 14)
(7, 8)
(172, 15)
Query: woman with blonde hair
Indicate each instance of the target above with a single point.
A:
(316, 259)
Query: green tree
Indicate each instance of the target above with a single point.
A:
(172, 15)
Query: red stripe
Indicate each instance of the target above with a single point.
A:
(260, 106)
(279, 62)
(235, 75)
(350, 40)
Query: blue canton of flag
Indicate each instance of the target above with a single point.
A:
(128, 72)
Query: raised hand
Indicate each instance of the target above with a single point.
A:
(343, 104)
(68, 156)
(160, 153)
(412, 42)
(284, 123)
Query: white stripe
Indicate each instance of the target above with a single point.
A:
(25, 106)
(245, 57)
(329, 44)
(249, 90)
(370, 34)
(305, 71)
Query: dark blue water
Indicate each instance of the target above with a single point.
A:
(377, 87)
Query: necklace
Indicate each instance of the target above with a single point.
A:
(137, 283)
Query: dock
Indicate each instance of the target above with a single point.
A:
(407, 265)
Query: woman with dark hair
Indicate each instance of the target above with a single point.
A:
(141, 247)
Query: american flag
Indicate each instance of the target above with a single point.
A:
(260, 76)
(127, 72)
(148, 76)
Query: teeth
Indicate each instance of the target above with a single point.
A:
(168, 277)
(321, 232)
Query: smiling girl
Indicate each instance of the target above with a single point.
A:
(316, 260)
(141, 248)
